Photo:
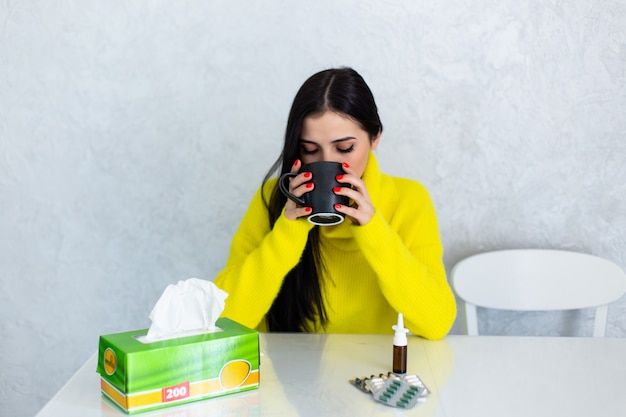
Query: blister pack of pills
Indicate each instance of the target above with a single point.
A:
(402, 391)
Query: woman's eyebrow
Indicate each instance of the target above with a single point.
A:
(343, 139)
(334, 141)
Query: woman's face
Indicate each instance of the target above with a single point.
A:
(335, 137)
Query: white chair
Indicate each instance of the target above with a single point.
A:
(537, 280)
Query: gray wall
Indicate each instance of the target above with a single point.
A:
(133, 134)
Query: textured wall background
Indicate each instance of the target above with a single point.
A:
(133, 134)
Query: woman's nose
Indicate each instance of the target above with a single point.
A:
(331, 157)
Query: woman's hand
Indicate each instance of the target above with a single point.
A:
(361, 211)
(298, 186)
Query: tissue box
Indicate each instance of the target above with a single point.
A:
(141, 376)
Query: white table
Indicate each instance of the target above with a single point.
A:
(307, 375)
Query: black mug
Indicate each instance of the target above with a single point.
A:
(321, 199)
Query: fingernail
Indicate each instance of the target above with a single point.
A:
(295, 164)
(339, 177)
(309, 185)
(345, 165)
(337, 206)
(307, 175)
(308, 209)
(337, 189)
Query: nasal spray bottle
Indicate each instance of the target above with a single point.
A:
(399, 346)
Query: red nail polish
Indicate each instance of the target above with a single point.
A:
(339, 177)
(345, 165)
(295, 164)
(337, 206)
(337, 189)
(308, 209)
(307, 175)
(309, 185)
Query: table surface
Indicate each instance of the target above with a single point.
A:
(308, 374)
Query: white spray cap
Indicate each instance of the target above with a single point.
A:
(399, 338)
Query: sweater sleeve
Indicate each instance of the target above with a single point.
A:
(406, 254)
(259, 259)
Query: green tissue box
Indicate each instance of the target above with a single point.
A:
(140, 376)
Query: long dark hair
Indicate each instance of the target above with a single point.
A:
(340, 90)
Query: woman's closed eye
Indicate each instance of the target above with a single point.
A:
(307, 150)
(310, 149)
(346, 150)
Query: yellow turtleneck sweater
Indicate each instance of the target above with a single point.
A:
(391, 264)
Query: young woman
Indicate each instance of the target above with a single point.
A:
(285, 274)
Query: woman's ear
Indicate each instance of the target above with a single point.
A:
(376, 139)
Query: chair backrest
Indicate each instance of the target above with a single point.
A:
(537, 280)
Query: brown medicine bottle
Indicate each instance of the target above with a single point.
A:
(399, 346)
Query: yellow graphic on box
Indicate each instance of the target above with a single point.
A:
(234, 373)
(110, 361)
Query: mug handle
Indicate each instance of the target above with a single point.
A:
(285, 189)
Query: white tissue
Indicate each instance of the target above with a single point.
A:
(189, 307)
